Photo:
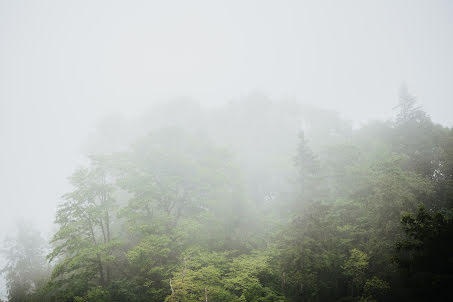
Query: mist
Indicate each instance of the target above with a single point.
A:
(242, 79)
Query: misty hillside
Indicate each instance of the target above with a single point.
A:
(226, 151)
(258, 200)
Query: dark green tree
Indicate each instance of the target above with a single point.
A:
(425, 255)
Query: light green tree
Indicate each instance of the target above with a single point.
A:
(84, 242)
(355, 267)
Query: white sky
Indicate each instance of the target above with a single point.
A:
(63, 64)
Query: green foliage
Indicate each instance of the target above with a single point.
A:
(355, 268)
(375, 288)
(356, 265)
(425, 254)
(84, 240)
(96, 294)
(223, 277)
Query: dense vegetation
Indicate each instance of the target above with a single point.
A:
(238, 204)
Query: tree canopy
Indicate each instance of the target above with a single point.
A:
(241, 204)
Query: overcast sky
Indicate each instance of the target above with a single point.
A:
(63, 64)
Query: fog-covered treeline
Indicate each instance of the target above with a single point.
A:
(257, 200)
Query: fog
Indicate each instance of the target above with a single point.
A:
(71, 71)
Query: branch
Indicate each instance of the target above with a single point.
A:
(172, 290)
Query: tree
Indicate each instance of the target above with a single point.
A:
(25, 269)
(96, 294)
(425, 255)
(84, 242)
(308, 168)
(182, 193)
(223, 277)
(409, 112)
(355, 267)
(375, 289)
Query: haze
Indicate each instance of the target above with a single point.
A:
(67, 65)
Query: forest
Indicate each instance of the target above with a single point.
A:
(255, 200)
